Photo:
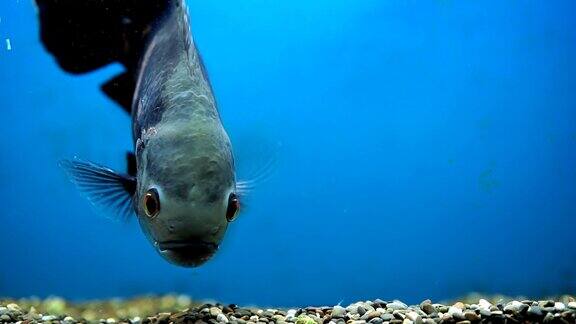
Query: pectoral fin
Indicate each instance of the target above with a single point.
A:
(102, 186)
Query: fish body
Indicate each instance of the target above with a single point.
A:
(181, 178)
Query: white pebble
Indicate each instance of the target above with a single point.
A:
(110, 321)
(453, 310)
(558, 306)
(13, 307)
(48, 318)
(517, 304)
(413, 316)
(572, 305)
(222, 318)
(290, 314)
(136, 320)
(483, 303)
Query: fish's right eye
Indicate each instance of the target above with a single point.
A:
(233, 207)
(151, 203)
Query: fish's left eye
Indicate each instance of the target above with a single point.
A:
(233, 207)
(151, 203)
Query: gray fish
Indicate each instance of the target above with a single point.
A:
(180, 181)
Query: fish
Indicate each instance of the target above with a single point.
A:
(180, 180)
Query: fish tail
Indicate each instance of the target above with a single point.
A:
(84, 35)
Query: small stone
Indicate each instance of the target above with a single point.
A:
(548, 318)
(136, 320)
(14, 308)
(399, 314)
(483, 303)
(510, 309)
(572, 305)
(68, 319)
(361, 310)
(395, 305)
(407, 321)
(427, 307)
(546, 303)
(534, 311)
(305, 319)
(222, 318)
(215, 311)
(376, 320)
(559, 306)
(497, 313)
(379, 302)
(338, 311)
(110, 321)
(471, 316)
(459, 305)
(429, 321)
(46, 318)
(414, 317)
(442, 308)
(484, 312)
(387, 317)
(5, 318)
(464, 322)
(279, 318)
(456, 312)
(370, 315)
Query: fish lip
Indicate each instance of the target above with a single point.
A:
(183, 244)
(187, 253)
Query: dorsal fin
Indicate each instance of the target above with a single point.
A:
(121, 90)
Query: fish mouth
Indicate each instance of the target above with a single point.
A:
(187, 253)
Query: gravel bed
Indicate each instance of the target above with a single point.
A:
(560, 310)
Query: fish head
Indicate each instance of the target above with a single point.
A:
(185, 195)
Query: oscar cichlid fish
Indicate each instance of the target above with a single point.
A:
(180, 180)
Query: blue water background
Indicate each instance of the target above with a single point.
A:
(425, 149)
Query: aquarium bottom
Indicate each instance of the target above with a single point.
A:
(181, 309)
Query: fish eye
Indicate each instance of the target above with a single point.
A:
(233, 207)
(151, 203)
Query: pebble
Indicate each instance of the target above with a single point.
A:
(395, 305)
(387, 317)
(222, 318)
(483, 303)
(548, 318)
(572, 305)
(471, 316)
(370, 315)
(484, 312)
(534, 311)
(414, 317)
(456, 312)
(427, 307)
(338, 311)
(559, 306)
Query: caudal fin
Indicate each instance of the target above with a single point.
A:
(84, 35)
